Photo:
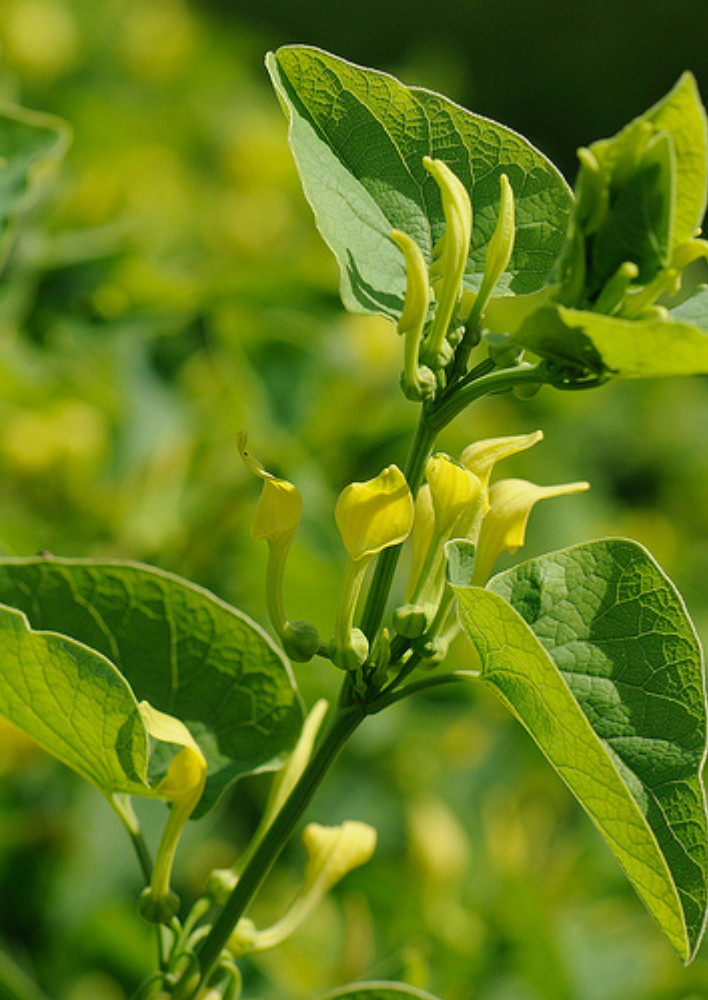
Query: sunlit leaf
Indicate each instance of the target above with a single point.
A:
(359, 138)
(629, 348)
(592, 649)
(179, 648)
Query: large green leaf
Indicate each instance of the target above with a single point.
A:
(74, 702)
(30, 142)
(592, 649)
(628, 348)
(179, 647)
(378, 991)
(359, 138)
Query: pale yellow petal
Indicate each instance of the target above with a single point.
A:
(504, 525)
(453, 489)
(480, 457)
(334, 851)
(375, 514)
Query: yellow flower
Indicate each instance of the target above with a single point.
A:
(480, 457)
(504, 525)
(453, 490)
(276, 520)
(280, 506)
(449, 505)
(333, 851)
(373, 515)
(182, 785)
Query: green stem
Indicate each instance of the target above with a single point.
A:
(343, 725)
(393, 696)
(142, 852)
(440, 416)
(382, 578)
(123, 806)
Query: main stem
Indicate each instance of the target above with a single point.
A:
(382, 579)
(343, 725)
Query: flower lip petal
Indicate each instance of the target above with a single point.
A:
(375, 514)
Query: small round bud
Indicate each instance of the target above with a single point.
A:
(243, 937)
(158, 909)
(503, 351)
(220, 884)
(411, 620)
(354, 654)
(433, 651)
(301, 640)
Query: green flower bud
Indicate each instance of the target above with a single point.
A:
(502, 350)
(412, 620)
(220, 884)
(158, 908)
(301, 641)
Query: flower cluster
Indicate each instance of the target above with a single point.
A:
(455, 502)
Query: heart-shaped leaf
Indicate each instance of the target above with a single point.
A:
(592, 649)
(359, 138)
(179, 648)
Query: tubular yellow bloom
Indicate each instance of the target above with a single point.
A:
(223, 880)
(480, 457)
(453, 490)
(448, 505)
(280, 506)
(182, 785)
(504, 525)
(418, 382)
(333, 851)
(450, 254)
(373, 515)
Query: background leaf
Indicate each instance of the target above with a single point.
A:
(592, 649)
(179, 647)
(74, 702)
(629, 348)
(378, 991)
(359, 137)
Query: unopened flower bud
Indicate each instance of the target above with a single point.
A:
(450, 257)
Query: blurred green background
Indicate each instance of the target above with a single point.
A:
(168, 290)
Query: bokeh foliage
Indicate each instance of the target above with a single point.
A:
(170, 289)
